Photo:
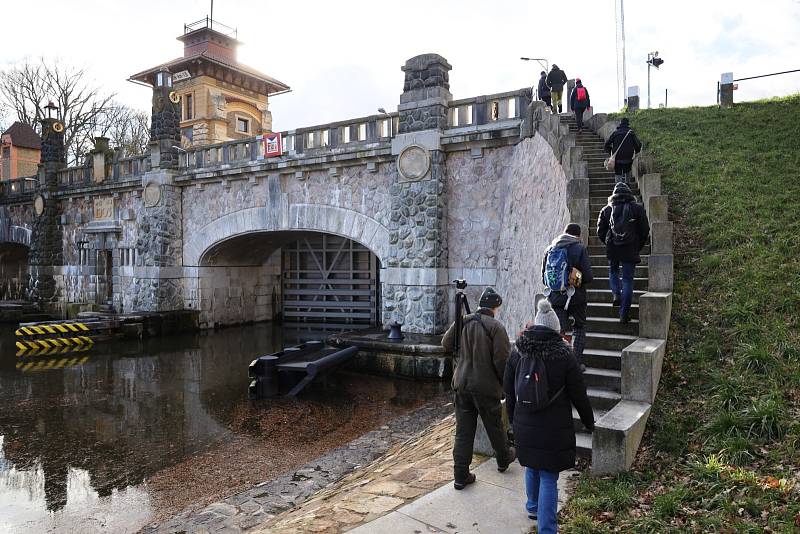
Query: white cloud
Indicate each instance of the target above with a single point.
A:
(343, 58)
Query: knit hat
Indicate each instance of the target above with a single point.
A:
(622, 188)
(577, 80)
(490, 299)
(545, 316)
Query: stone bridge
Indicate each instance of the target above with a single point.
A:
(358, 222)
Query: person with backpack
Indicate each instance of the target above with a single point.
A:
(623, 144)
(542, 382)
(543, 90)
(579, 102)
(478, 385)
(566, 271)
(623, 227)
(555, 81)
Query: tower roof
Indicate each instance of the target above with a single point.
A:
(23, 136)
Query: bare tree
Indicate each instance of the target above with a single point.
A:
(127, 129)
(83, 107)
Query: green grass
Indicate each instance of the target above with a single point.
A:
(722, 449)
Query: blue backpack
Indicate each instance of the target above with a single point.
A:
(556, 270)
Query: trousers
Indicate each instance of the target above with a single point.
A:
(468, 407)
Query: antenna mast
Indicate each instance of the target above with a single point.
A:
(622, 82)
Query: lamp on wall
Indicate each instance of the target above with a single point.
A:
(52, 110)
(164, 78)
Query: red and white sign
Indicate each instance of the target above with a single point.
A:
(272, 145)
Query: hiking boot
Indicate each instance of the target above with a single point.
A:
(617, 301)
(512, 455)
(466, 482)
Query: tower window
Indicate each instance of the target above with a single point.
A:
(242, 125)
(188, 108)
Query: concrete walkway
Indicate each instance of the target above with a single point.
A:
(494, 504)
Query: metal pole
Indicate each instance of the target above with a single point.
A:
(624, 73)
(666, 97)
(212, 14)
(648, 84)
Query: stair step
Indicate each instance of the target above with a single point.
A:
(603, 358)
(638, 283)
(600, 340)
(610, 379)
(594, 241)
(583, 444)
(602, 399)
(600, 260)
(604, 295)
(576, 419)
(595, 250)
(605, 309)
(611, 325)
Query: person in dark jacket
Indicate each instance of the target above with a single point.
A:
(579, 102)
(572, 305)
(623, 227)
(545, 439)
(543, 90)
(625, 144)
(478, 385)
(555, 81)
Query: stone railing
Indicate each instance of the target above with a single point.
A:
(122, 170)
(618, 433)
(488, 109)
(17, 188)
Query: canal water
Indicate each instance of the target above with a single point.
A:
(110, 439)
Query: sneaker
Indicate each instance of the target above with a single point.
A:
(512, 456)
(533, 516)
(583, 368)
(617, 301)
(466, 482)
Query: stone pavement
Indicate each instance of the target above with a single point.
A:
(409, 490)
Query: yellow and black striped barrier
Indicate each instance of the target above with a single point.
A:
(55, 363)
(46, 329)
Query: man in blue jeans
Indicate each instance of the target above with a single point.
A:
(624, 228)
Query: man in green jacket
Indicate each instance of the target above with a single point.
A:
(478, 385)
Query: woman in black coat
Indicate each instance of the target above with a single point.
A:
(545, 439)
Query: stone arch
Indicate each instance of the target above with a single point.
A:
(299, 217)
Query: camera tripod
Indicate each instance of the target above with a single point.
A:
(460, 303)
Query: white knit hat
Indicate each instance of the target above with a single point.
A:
(545, 316)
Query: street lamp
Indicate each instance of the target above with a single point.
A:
(654, 61)
(542, 62)
(52, 109)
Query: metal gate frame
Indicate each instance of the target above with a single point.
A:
(329, 282)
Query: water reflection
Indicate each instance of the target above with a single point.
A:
(77, 441)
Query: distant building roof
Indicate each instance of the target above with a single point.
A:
(23, 136)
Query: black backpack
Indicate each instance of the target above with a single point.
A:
(531, 385)
(624, 233)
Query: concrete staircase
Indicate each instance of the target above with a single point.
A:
(606, 337)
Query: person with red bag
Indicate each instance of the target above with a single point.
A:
(579, 102)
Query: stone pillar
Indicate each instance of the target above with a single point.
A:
(46, 254)
(726, 90)
(159, 244)
(415, 277)
(633, 98)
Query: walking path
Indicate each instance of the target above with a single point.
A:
(410, 490)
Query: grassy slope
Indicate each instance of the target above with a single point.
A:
(722, 449)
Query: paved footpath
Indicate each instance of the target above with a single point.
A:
(409, 490)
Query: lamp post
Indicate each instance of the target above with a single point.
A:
(654, 61)
(542, 62)
(51, 110)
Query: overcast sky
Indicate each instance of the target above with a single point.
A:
(343, 58)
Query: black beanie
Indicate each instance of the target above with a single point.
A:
(490, 299)
(573, 229)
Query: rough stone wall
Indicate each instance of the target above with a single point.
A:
(535, 212)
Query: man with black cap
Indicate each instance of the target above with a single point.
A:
(624, 228)
(623, 143)
(556, 80)
(566, 271)
(543, 90)
(478, 385)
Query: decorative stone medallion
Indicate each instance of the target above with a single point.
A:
(413, 163)
(152, 195)
(38, 205)
(103, 208)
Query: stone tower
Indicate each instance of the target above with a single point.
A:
(47, 250)
(165, 121)
(416, 282)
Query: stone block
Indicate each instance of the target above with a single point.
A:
(649, 186)
(661, 237)
(617, 435)
(660, 269)
(482, 445)
(641, 369)
(658, 208)
(655, 310)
